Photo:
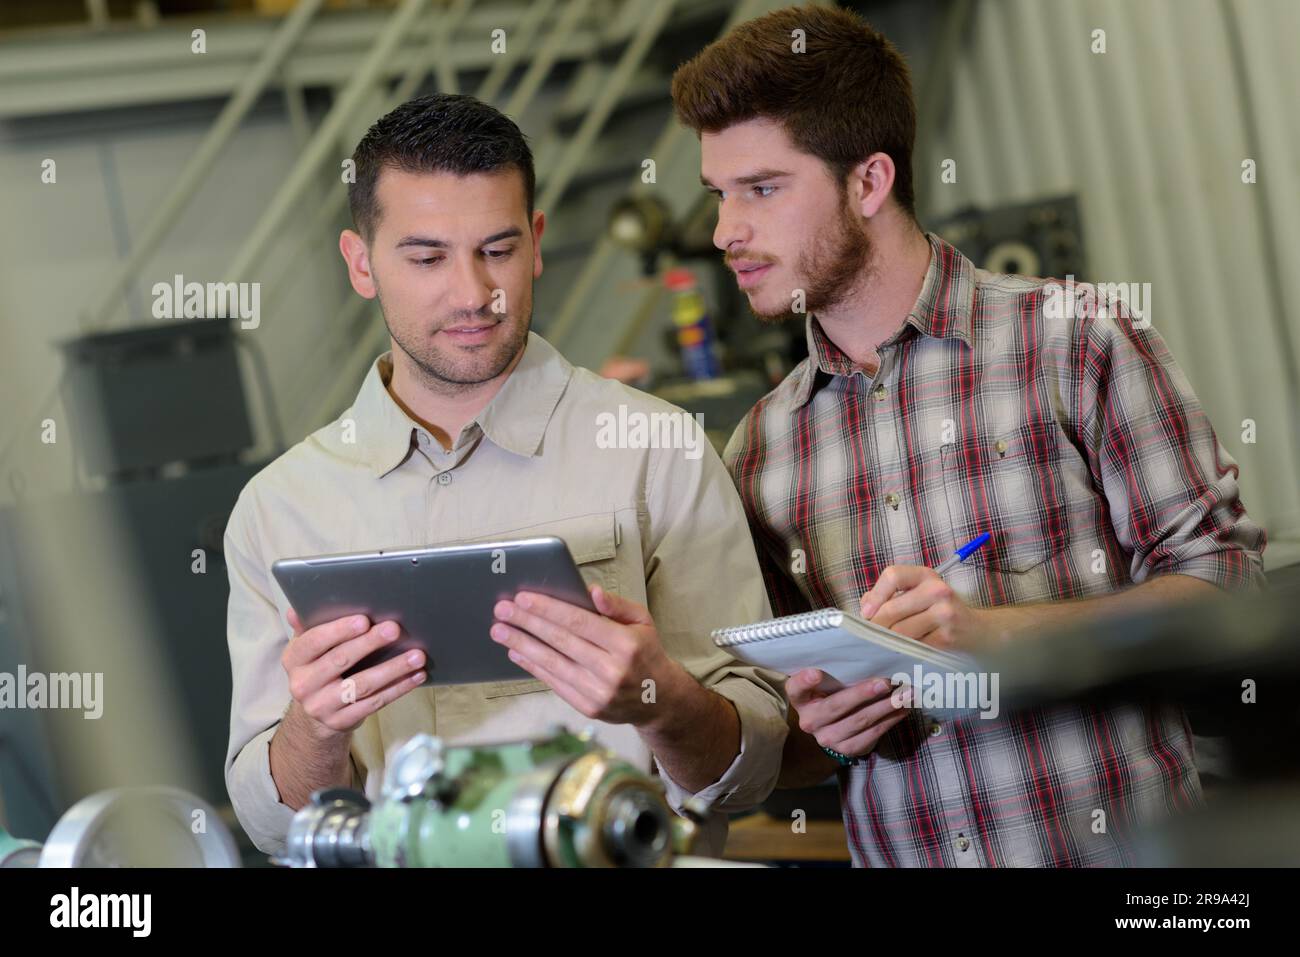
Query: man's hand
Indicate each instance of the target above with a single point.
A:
(914, 601)
(310, 747)
(598, 663)
(852, 720)
(317, 658)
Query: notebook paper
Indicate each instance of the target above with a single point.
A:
(850, 649)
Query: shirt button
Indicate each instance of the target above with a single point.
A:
(444, 478)
(892, 500)
(879, 393)
(935, 730)
(963, 842)
(1000, 447)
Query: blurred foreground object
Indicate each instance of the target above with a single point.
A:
(1233, 663)
(130, 827)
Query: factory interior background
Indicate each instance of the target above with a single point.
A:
(127, 158)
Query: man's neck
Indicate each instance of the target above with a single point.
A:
(442, 411)
(874, 312)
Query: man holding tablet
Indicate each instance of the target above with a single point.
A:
(940, 402)
(474, 429)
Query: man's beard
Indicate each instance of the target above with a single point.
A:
(834, 268)
(451, 373)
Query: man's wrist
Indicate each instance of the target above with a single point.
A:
(1002, 624)
(320, 734)
(300, 762)
(678, 702)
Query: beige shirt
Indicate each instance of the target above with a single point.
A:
(661, 526)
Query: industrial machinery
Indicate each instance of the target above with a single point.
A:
(1039, 238)
(555, 800)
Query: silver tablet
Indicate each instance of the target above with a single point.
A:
(441, 597)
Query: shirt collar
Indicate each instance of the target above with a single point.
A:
(942, 311)
(515, 419)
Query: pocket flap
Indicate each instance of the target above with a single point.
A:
(590, 538)
(502, 689)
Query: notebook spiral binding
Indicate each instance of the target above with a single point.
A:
(801, 624)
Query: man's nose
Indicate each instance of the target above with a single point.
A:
(472, 287)
(731, 227)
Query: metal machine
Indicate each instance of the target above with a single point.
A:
(552, 801)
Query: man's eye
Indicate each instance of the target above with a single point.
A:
(427, 262)
(497, 253)
(757, 188)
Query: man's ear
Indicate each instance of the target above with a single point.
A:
(539, 225)
(357, 256)
(870, 183)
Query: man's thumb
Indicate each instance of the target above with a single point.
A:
(801, 684)
(618, 608)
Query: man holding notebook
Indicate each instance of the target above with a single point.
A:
(940, 402)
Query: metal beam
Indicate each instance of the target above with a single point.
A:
(64, 70)
(202, 161)
(595, 119)
(323, 140)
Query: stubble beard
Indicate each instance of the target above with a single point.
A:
(450, 374)
(835, 268)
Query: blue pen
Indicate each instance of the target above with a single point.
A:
(957, 557)
(961, 554)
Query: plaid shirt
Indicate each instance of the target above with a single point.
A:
(1080, 446)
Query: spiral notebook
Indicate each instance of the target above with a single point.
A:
(848, 649)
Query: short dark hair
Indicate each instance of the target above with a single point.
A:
(846, 96)
(442, 132)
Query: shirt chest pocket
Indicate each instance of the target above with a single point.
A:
(1009, 486)
(593, 541)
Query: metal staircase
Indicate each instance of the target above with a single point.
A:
(602, 58)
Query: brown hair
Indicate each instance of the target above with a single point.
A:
(848, 95)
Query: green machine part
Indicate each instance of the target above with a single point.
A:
(551, 801)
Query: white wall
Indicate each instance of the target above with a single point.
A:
(1151, 136)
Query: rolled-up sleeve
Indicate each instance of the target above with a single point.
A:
(256, 635)
(752, 775)
(1170, 485)
(702, 574)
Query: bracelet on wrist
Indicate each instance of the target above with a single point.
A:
(842, 759)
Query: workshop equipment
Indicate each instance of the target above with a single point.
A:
(555, 800)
